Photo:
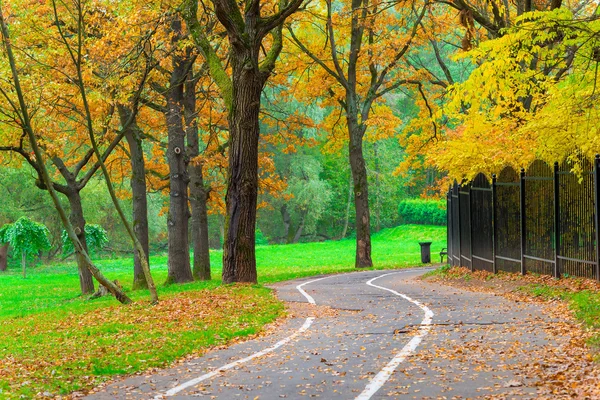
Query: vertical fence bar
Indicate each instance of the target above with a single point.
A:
(556, 222)
(597, 212)
(494, 232)
(470, 194)
(449, 224)
(459, 230)
(523, 232)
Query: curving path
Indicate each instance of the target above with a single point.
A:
(374, 334)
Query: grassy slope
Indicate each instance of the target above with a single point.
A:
(43, 318)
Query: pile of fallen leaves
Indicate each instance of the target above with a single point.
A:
(58, 354)
(564, 371)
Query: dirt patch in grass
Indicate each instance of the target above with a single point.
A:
(570, 370)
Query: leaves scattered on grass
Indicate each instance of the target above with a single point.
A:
(59, 354)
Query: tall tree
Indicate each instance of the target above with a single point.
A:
(133, 135)
(22, 111)
(359, 57)
(249, 33)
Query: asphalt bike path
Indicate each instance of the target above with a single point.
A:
(363, 335)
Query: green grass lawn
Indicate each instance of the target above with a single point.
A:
(55, 341)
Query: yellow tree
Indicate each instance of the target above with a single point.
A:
(355, 52)
(532, 95)
(70, 91)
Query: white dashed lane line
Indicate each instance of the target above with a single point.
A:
(382, 377)
(193, 382)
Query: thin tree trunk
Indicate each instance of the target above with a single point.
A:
(221, 230)
(24, 263)
(287, 221)
(4, 257)
(361, 196)
(239, 253)
(298, 234)
(139, 196)
(348, 207)
(86, 281)
(179, 253)
(198, 192)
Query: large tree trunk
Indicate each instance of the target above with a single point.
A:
(198, 192)
(361, 195)
(179, 253)
(3, 257)
(139, 196)
(239, 261)
(86, 281)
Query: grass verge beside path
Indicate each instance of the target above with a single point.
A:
(54, 342)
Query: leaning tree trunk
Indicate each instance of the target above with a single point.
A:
(139, 197)
(179, 254)
(239, 261)
(4, 257)
(361, 195)
(198, 192)
(86, 281)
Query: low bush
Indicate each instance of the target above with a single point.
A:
(419, 211)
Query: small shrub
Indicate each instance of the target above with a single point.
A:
(425, 212)
(95, 237)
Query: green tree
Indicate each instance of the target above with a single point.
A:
(95, 237)
(26, 237)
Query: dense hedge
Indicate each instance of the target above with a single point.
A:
(418, 211)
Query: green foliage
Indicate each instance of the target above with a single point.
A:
(95, 237)
(427, 212)
(26, 236)
(260, 240)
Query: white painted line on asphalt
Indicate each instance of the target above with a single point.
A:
(234, 364)
(309, 321)
(308, 296)
(382, 377)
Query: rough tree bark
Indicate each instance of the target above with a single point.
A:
(198, 192)
(77, 219)
(239, 256)
(361, 193)
(3, 257)
(133, 135)
(241, 91)
(179, 255)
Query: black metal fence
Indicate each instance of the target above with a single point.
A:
(543, 220)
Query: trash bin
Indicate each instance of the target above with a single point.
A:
(425, 252)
